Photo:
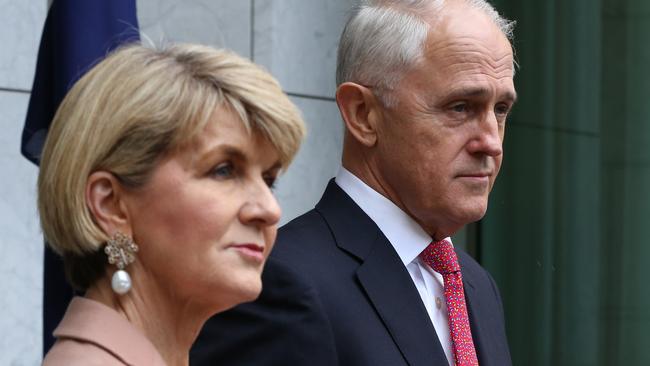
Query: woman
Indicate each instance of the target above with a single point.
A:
(155, 188)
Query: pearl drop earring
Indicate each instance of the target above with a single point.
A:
(121, 251)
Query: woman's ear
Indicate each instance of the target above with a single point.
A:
(360, 111)
(106, 203)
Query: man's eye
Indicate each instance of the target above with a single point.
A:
(459, 107)
(223, 170)
(502, 109)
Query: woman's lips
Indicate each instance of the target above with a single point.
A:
(250, 251)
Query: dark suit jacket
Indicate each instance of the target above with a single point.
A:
(336, 293)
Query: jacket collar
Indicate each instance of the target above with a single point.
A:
(93, 322)
(383, 277)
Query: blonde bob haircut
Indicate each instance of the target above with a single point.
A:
(134, 107)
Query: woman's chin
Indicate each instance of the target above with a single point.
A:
(252, 292)
(246, 292)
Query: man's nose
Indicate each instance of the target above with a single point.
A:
(488, 137)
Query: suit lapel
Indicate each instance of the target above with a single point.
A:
(391, 291)
(384, 278)
(474, 313)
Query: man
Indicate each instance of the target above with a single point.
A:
(369, 277)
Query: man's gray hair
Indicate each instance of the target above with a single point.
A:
(384, 38)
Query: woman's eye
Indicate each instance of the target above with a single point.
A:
(270, 181)
(223, 170)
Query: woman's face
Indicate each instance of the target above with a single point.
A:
(206, 219)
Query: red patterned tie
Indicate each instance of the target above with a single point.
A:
(441, 257)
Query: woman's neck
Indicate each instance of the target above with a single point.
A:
(171, 324)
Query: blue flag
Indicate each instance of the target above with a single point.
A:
(77, 34)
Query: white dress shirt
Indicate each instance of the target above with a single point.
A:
(409, 240)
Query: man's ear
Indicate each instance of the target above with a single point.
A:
(106, 203)
(360, 111)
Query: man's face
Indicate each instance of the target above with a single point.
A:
(440, 146)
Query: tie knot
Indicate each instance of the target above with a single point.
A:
(440, 256)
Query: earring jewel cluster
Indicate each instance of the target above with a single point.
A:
(121, 250)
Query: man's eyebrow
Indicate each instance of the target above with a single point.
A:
(511, 96)
(473, 92)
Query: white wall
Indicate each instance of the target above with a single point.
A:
(295, 40)
(21, 245)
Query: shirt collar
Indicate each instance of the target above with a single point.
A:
(407, 237)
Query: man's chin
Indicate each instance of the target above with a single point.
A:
(472, 212)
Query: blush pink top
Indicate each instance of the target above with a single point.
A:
(91, 334)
